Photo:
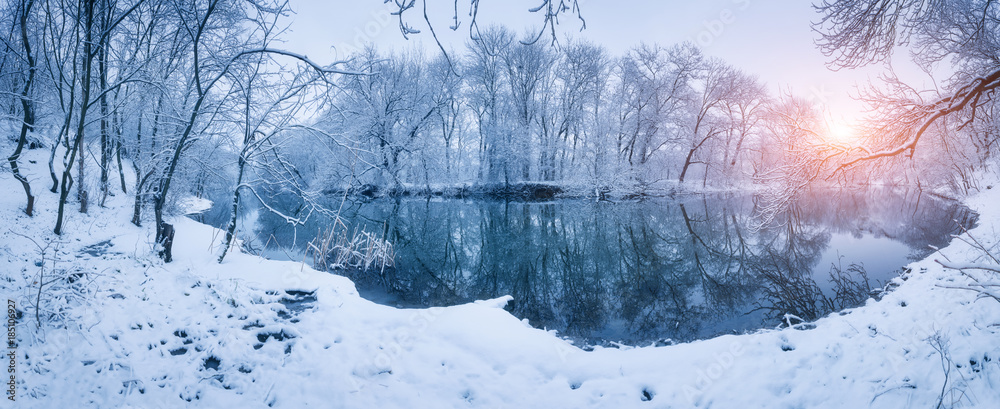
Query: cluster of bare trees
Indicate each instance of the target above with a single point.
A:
(156, 94)
(510, 109)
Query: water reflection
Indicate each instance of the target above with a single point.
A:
(638, 272)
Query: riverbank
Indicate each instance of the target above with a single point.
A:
(546, 191)
(116, 327)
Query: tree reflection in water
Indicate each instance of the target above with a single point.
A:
(640, 272)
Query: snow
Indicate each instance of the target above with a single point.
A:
(135, 332)
(193, 205)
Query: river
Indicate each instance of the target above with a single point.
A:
(655, 271)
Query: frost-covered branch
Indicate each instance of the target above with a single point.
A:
(967, 96)
(984, 276)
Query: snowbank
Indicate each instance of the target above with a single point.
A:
(130, 331)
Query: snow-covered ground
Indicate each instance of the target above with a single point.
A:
(130, 331)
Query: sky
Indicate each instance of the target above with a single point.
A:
(769, 38)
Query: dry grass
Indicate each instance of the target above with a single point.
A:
(340, 248)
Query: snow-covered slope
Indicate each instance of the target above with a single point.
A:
(130, 331)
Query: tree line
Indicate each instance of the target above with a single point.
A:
(509, 109)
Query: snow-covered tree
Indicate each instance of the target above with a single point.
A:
(654, 86)
(387, 113)
(26, 62)
(488, 99)
(963, 34)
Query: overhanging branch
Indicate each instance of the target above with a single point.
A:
(966, 96)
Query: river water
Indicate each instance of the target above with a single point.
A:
(640, 272)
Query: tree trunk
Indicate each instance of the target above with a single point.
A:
(63, 136)
(28, 123)
(137, 210)
(81, 186)
(117, 141)
(140, 180)
(102, 74)
(121, 169)
(165, 240)
(687, 164)
(67, 179)
(231, 227)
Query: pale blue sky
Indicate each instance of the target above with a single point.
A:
(769, 38)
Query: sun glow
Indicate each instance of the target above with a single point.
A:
(842, 132)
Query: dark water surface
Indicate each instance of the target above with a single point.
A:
(639, 272)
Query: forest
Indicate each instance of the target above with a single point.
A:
(193, 97)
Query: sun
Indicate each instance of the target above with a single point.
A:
(842, 132)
